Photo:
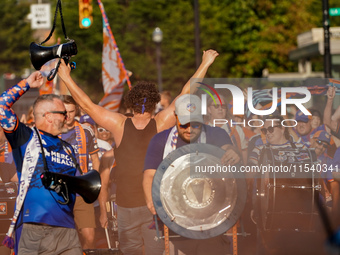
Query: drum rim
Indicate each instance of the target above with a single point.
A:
(218, 230)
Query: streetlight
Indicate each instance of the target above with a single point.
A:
(157, 37)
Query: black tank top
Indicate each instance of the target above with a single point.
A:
(130, 163)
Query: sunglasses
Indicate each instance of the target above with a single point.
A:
(100, 130)
(191, 124)
(58, 112)
(269, 129)
(223, 106)
(325, 145)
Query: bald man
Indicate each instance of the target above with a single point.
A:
(43, 219)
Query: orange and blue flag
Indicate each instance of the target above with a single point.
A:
(114, 73)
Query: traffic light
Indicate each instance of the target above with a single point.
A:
(85, 13)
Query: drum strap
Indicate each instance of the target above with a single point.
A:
(292, 144)
(263, 151)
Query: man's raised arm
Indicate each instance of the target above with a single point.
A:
(166, 119)
(8, 118)
(327, 115)
(103, 117)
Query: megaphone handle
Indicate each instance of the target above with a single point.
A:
(64, 195)
(54, 71)
(52, 74)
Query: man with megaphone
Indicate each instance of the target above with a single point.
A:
(43, 221)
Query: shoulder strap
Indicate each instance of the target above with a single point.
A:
(66, 148)
(69, 152)
(58, 6)
(42, 150)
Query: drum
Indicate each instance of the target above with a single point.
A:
(197, 204)
(8, 194)
(285, 195)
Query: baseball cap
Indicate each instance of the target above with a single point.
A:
(188, 109)
(322, 136)
(87, 119)
(300, 116)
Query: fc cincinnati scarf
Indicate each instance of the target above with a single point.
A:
(82, 151)
(81, 142)
(30, 161)
(171, 143)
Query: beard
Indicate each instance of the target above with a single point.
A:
(192, 138)
(61, 126)
(63, 130)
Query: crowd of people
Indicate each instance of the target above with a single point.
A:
(70, 134)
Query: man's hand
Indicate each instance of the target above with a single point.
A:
(331, 93)
(151, 208)
(231, 156)
(147, 187)
(35, 80)
(209, 56)
(103, 219)
(328, 119)
(64, 70)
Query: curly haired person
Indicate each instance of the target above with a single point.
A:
(132, 136)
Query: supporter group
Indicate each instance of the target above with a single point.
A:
(127, 147)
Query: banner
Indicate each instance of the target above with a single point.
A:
(114, 73)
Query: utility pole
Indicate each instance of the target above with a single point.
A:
(326, 42)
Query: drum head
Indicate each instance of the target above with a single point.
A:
(192, 203)
(285, 200)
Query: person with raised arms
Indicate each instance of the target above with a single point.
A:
(132, 136)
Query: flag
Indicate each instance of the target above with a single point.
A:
(264, 95)
(114, 73)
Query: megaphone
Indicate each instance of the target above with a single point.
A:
(87, 186)
(40, 54)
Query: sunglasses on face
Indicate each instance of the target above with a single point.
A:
(325, 145)
(58, 112)
(222, 106)
(100, 130)
(269, 129)
(191, 124)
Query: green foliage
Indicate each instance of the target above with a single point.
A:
(255, 34)
(250, 35)
(334, 21)
(15, 36)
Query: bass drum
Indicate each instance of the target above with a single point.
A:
(287, 216)
(192, 198)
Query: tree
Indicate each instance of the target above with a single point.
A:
(250, 36)
(15, 36)
(255, 34)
